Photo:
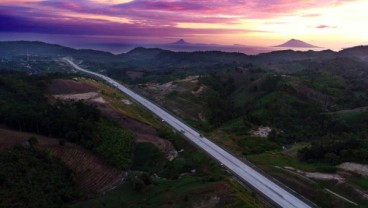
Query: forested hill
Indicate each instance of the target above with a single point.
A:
(35, 49)
(159, 59)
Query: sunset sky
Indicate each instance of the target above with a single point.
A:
(329, 23)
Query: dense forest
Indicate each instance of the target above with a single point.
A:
(34, 173)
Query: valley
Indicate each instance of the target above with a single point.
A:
(299, 117)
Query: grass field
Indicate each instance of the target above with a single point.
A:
(277, 158)
(115, 97)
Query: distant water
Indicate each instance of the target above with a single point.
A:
(249, 50)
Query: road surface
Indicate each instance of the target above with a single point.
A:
(276, 194)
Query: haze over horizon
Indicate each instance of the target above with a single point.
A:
(333, 24)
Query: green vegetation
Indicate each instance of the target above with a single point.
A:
(24, 106)
(300, 95)
(135, 111)
(189, 159)
(338, 148)
(295, 106)
(352, 117)
(32, 178)
(255, 145)
(116, 144)
(273, 158)
(177, 185)
(184, 192)
(361, 182)
(83, 124)
(267, 99)
(148, 158)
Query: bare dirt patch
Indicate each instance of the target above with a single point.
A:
(181, 85)
(324, 176)
(199, 90)
(174, 95)
(192, 79)
(99, 100)
(293, 150)
(126, 121)
(314, 94)
(213, 195)
(145, 133)
(9, 138)
(262, 131)
(317, 175)
(74, 90)
(78, 96)
(65, 86)
(355, 167)
(126, 102)
(134, 74)
(162, 144)
(354, 110)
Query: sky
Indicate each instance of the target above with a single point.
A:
(333, 24)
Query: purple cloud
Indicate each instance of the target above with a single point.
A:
(78, 26)
(164, 5)
(148, 19)
(67, 5)
(324, 26)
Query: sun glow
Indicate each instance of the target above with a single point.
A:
(329, 23)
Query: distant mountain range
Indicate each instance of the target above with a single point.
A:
(161, 60)
(155, 58)
(294, 43)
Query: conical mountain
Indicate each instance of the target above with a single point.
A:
(180, 42)
(294, 43)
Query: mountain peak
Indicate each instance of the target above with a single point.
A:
(294, 43)
(181, 42)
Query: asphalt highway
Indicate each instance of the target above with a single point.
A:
(273, 192)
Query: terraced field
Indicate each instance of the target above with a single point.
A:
(93, 174)
(91, 171)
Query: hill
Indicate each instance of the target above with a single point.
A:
(295, 96)
(153, 59)
(36, 48)
(95, 136)
(92, 173)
